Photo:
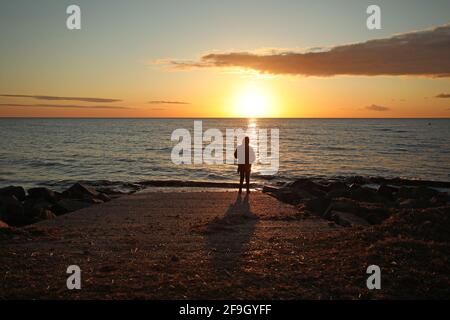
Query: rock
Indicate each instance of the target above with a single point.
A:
(45, 214)
(270, 189)
(347, 219)
(337, 186)
(387, 191)
(345, 205)
(413, 203)
(32, 206)
(3, 225)
(318, 205)
(337, 189)
(104, 197)
(43, 193)
(365, 194)
(338, 193)
(420, 192)
(11, 211)
(309, 186)
(17, 192)
(81, 192)
(287, 195)
(110, 191)
(357, 180)
(68, 205)
(37, 202)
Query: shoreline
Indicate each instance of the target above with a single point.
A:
(125, 186)
(20, 207)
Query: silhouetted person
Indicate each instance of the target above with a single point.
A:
(245, 156)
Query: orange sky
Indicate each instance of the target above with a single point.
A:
(131, 68)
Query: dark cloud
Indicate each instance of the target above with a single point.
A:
(159, 109)
(54, 98)
(422, 53)
(62, 106)
(443, 95)
(167, 102)
(375, 107)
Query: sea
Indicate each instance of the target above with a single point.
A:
(58, 152)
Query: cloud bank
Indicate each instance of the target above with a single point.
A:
(443, 95)
(167, 102)
(61, 106)
(421, 53)
(55, 98)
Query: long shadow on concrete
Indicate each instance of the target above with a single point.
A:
(227, 237)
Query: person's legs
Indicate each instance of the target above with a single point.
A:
(241, 182)
(247, 179)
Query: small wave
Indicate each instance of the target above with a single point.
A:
(44, 163)
(158, 149)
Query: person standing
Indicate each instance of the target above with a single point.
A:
(246, 156)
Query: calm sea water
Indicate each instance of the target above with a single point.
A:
(59, 151)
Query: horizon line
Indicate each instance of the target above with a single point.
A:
(194, 118)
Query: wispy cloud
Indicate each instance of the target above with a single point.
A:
(55, 98)
(62, 106)
(167, 102)
(443, 95)
(421, 53)
(375, 107)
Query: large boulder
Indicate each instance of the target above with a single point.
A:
(44, 214)
(81, 192)
(420, 192)
(374, 213)
(309, 186)
(338, 190)
(357, 180)
(284, 194)
(287, 195)
(68, 205)
(365, 194)
(387, 191)
(104, 197)
(345, 205)
(42, 193)
(413, 204)
(270, 189)
(11, 211)
(317, 205)
(347, 219)
(34, 207)
(17, 192)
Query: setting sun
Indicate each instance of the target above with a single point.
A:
(253, 102)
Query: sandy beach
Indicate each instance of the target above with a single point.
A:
(200, 244)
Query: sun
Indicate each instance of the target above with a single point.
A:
(252, 102)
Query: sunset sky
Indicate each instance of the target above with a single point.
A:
(225, 59)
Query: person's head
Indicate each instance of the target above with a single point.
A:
(247, 141)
